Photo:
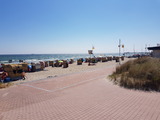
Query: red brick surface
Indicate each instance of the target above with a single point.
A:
(86, 95)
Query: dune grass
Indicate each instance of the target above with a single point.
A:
(5, 85)
(142, 73)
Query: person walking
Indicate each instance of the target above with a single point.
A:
(3, 76)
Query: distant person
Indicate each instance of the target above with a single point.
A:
(23, 75)
(21, 71)
(3, 76)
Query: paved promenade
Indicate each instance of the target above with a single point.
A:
(87, 95)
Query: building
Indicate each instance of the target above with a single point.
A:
(155, 51)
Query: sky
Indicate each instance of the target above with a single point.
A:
(74, 26)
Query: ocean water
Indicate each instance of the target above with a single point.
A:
(31, 57)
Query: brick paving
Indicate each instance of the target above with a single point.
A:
(87, 95)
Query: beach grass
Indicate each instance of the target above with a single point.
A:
(5, 85)
(142, 73)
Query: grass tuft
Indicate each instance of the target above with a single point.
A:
(5, 85)
(142, 73)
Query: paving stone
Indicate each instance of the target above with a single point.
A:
(87, 95)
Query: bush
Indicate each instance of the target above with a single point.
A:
(142, 73)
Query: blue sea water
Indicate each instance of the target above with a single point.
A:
(17, 57)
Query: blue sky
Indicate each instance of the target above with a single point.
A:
(73, 26)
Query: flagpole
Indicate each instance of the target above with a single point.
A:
(119, 47)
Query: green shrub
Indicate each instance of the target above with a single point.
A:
(142, 73)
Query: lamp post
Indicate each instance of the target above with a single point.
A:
(123, 49)
(119, 50)
(119, 47)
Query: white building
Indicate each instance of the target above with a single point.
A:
(155, 51)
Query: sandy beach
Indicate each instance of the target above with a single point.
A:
(50, 72)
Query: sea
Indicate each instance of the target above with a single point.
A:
(45, 57)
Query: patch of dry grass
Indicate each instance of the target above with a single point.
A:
(142, 73)
(4, 85)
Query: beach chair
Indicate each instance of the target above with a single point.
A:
(117, 59)
(122, 58)
(65, 64)
(79, 62)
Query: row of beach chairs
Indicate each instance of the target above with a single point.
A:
(15, 71)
